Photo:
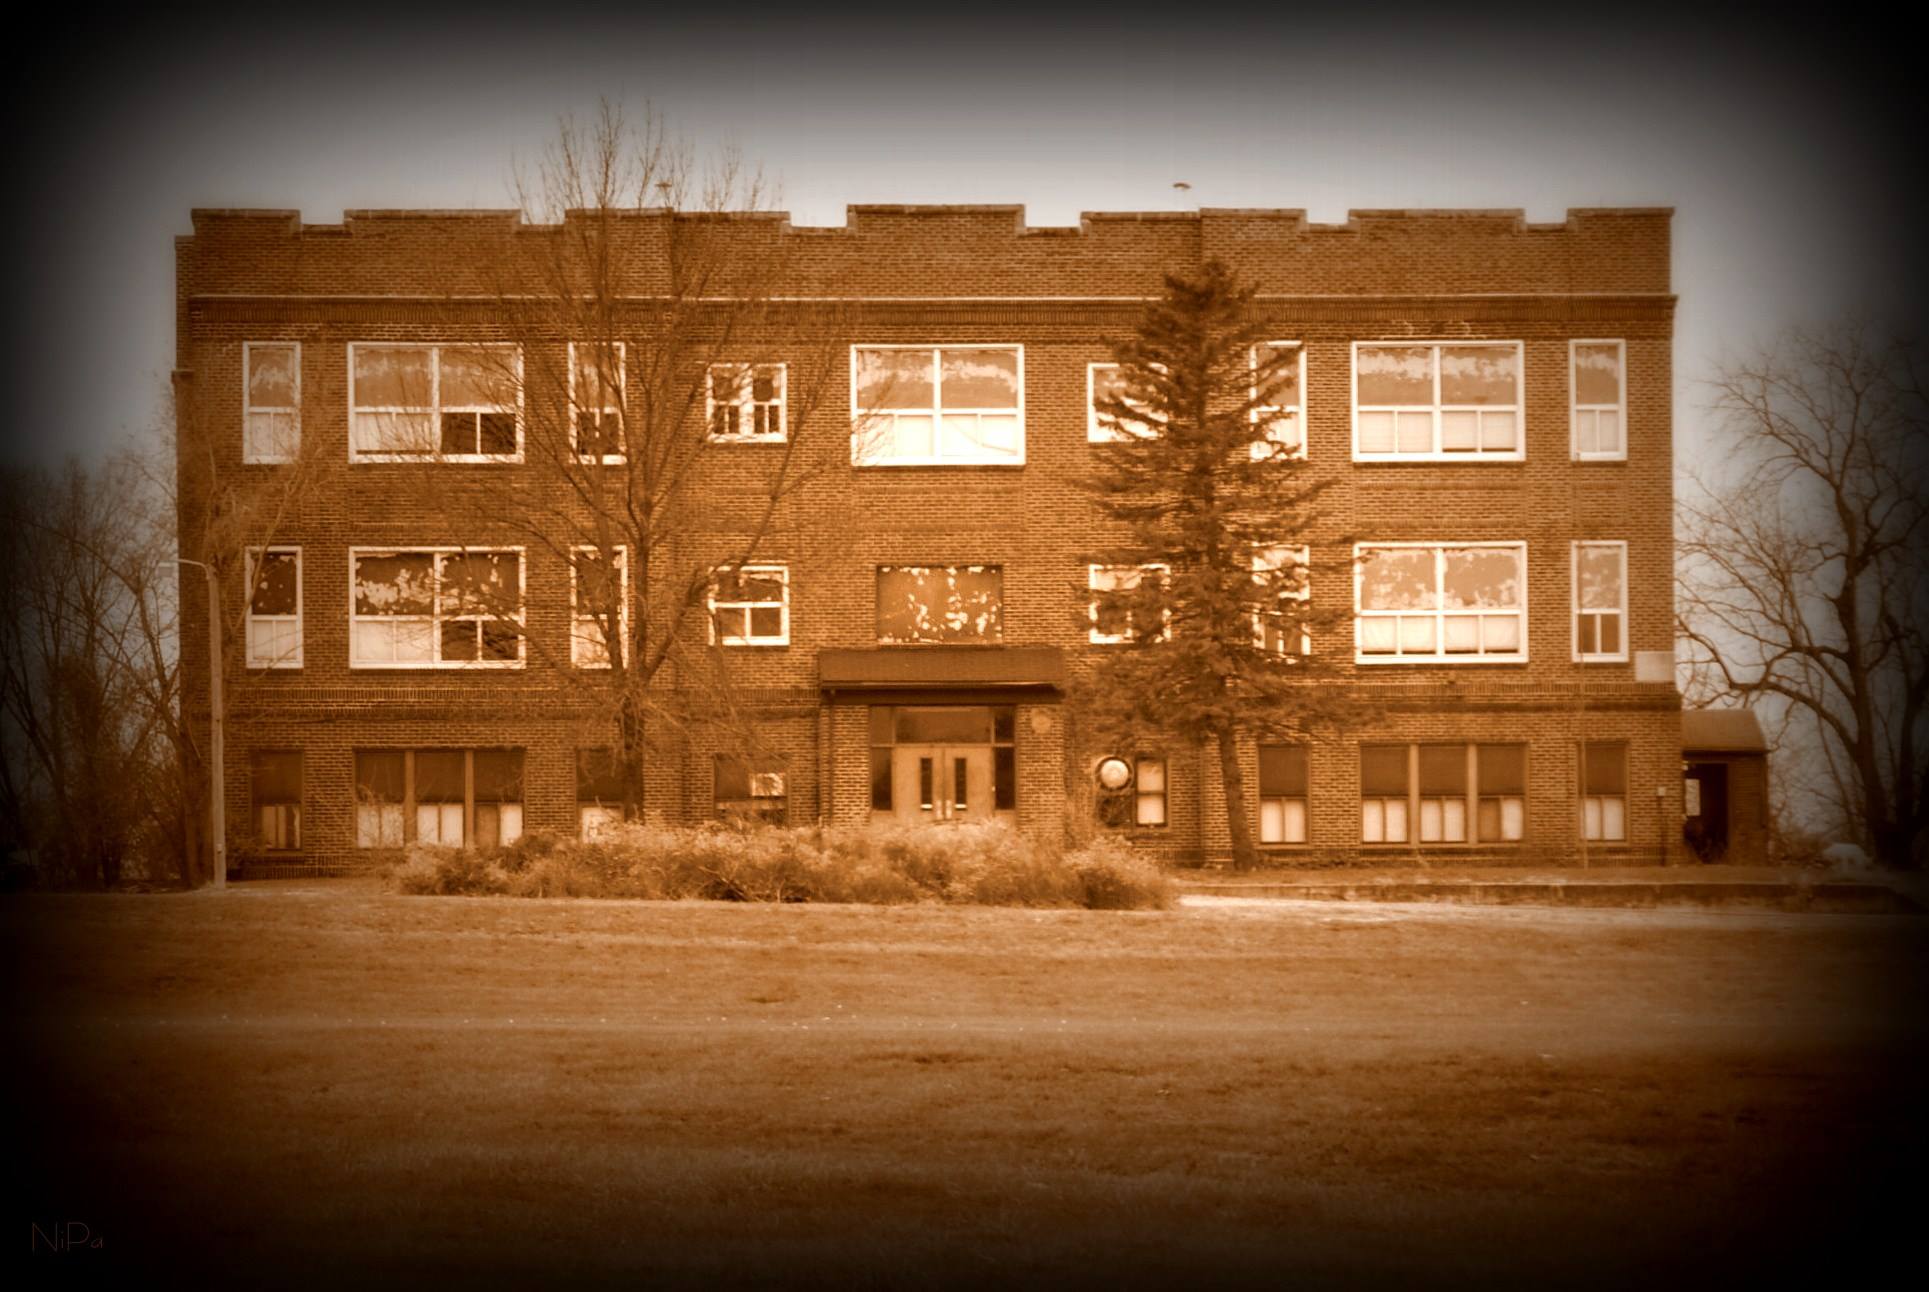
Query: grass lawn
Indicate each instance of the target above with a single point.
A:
(296, 1081)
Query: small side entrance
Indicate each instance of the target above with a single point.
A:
(1705, 809)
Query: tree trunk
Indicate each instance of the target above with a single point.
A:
(1245, 849)
(629, 755)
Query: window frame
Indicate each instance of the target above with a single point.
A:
(256, 803)
(1575, 408)
(1094, 636)
(360, 456)
(249, 451)
(1261, 565)
(579, 643)
(621, 410)
(766, 568)
(1586, 799)
(1304, 797)
(1435, 453)
(1472, 795)
(1440, 613)
(250, 570)
(409, 805)
(1258, 413)
(748, 405)
(436, 553)
(937, 410)
(1574, 602)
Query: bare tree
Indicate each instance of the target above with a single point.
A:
(1804, 578)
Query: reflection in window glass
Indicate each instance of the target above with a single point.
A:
(1442, 603)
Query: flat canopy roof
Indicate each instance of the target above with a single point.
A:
(976, 674)
(1731, 731)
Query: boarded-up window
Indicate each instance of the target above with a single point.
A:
(951, 603)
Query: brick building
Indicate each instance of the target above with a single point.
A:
(1490, 397)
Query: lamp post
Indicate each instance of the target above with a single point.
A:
(217, 785)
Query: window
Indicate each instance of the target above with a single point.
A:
(1597, 382)
(1107, 381)
(1119, 596)
(599, 603)
(1282, 794)
(750, 606)
(1604, 791)
(596, 386)
(1443, 793)
(749, 789)
(271, 401)
(1285, 593)
(1131, 792)
(458, 797)
(933, 405)
(940, 603)
(599, 792)
(746, 401)
(275, 776)
(1436, 400)
(1383, 793)
(435, 608)
(1278, 415)
(1500, 775)
(1418, 602)
(274, 608)
(1600, 592)
(434, 401)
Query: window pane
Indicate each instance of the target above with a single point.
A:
(1497, 431)
(949, 724)
(1396, 820)
(274, 589)
(1379, 636)
(1479, 374)
(395, 433)
(1607, 768)
(477, 378)
(1443, 769)
(271, 376)
(276, 775)
(1396, 578)
(481, 583)
(1151, 775)
(386, 378)
(1460, 430)
(766, 621)
(1610, 643)
(1503, 769)
(1280, 386)
(894, 379)
(1004, 770)
(402, 584)
(1413, 432)
(1614, 819)
(1482, 577)
(1376, 432)
(1416, 635)
(498, 775)
(1597, 374)
(978, 378)
(1373, 821)
(1500, 633)
(1151, 809)
(598, 777)
(439, 776)
(1383, 770)
(881, 779)
(732, 778)
(1395, 374)
(1282, 770)
(1599, 576)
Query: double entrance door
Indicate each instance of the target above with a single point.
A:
(943, 763)
(941, 782)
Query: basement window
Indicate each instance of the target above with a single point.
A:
(1282, 794)
(455, 797)
(599, 792)
(1131, 792)
(1604, 791)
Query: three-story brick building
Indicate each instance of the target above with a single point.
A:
(1490, 397)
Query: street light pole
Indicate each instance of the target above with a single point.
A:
(217, 785)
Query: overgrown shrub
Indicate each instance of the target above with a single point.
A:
(982, 864)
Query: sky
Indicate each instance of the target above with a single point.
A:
(1779, 146)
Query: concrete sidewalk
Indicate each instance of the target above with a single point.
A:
(1630, 886)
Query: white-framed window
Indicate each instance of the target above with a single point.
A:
(452, 403)
(596, 589)
(1598, 386)
(274, 777)
(1279, 424)
(745, 402)
(270, 401)
(1604, 791)
(435, 607)
(938, 405)
(937, 604)
(1282, 793)
(1114, 588)
(597, 376)
(1448, 603)
(274, 607)
(1131, 792)
(750, 606)
(1107, 381)
(1443, 401)
(1600, 601)
(1285, 572)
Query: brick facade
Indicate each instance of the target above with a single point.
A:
(962, 275)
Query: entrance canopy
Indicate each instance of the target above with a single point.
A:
(943, 675)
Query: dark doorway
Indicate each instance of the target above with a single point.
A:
(1705, 822)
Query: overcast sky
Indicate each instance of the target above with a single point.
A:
(1779, 148)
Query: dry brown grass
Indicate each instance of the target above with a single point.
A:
(303, 1079)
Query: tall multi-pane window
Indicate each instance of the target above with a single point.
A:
(271, 401)
(1604, 791)
(746, 401)
(599, 605)
(1285, 596)
(457, 402)
(1422, 602)
(1597, 380)
(274, 777)
(457, 797)
(1600, 600)
(1500, 787)
(1282, 794)
(1278, 415)
(435, 608)
(1445, 401)
(931, 405)
(940, 603)
(596, 385)
(274, 608)
(1383, 794)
